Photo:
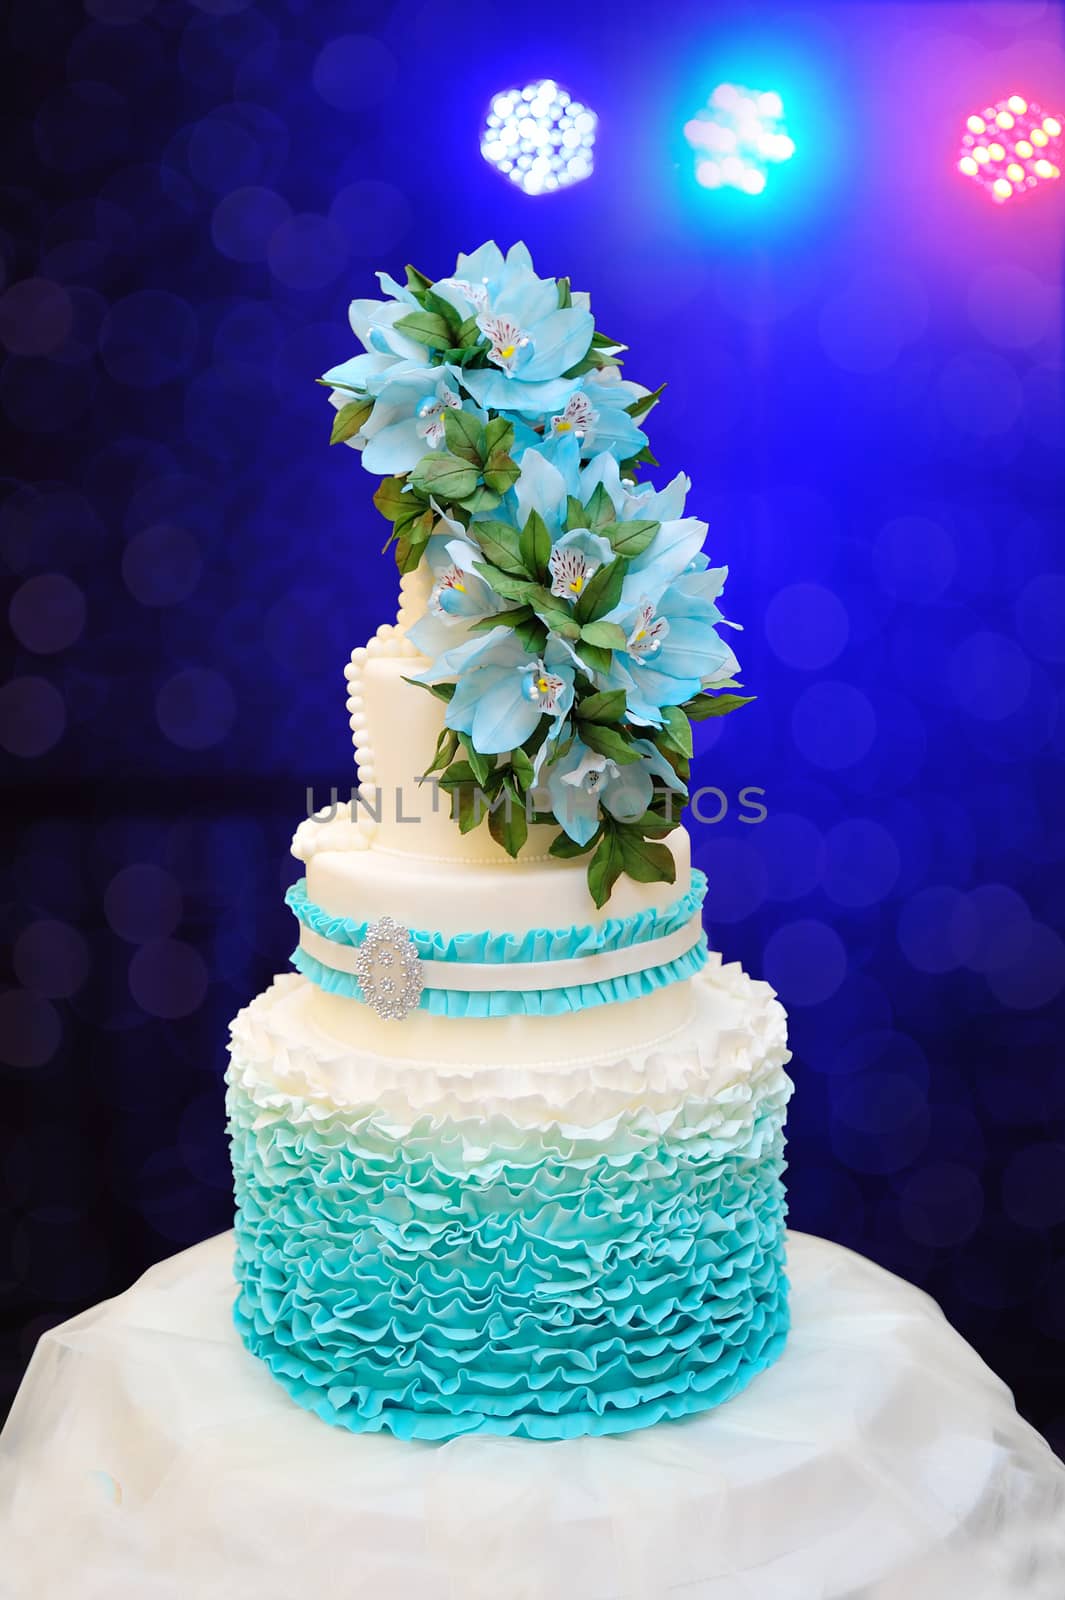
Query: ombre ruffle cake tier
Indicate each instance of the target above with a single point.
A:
(532, 1188)
(544, 1251)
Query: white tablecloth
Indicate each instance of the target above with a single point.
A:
(148, 1457)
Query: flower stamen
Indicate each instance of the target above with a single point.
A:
(578, 418)
(454, 579)
(646, 638)
(543, 688)
(570, 573)
(506, 339)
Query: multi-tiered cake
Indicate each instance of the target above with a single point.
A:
(508, 1147)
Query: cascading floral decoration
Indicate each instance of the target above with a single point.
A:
(572, 623)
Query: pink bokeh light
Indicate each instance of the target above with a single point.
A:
(1011, 148)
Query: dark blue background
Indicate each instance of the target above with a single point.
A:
(865, 385)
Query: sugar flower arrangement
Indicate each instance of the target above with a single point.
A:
(572, 621)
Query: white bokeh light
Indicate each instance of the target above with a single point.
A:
(737, 136)
(539, 137)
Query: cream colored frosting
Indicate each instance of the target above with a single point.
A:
(455, 1041)
(365, 881)
(729, 1027)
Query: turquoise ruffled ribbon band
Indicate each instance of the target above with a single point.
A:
(538, 945)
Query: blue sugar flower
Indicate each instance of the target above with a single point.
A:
(407, 420)
(458, 595)
(503, 691)
(581, 783)
(634, 501)
(544, 485)
(672, 649)
(531, 340)
(373, 323)
(669, 556)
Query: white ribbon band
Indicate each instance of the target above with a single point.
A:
(483, 976)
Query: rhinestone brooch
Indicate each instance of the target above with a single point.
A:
(389, 969)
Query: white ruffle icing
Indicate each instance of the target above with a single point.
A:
(731, 1057)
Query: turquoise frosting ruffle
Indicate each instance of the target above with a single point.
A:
(518, 1002)
(538, 944)
(426, 1285)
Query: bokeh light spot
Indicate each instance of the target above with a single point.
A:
(866, 325)
(373, 216)
(35, 317)
(805, 961)
(142, 902)
(833, 724)
(33, 716)
(793, 852)
(863, 862)
(880, 1121)
(1040, 613)
(355, 72)
(161, 565)
(47, 613)
(196, 708)
(990, 675)
(307, 252)
(806, 625)
(914, 559)
(223, 154)
(167, 978)
(1010, 306)
(937, 928)
(980, 393)
(245, 221)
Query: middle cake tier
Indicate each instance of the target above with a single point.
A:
(495, 960)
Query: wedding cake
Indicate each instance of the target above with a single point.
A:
(508, 1145)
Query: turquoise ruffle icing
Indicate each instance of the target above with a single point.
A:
(539, 944)
(518, 1002)
(549, 1286)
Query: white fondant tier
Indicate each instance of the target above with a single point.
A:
(459, 1041)
(729, 1033)
(367, 880)
(147, 1453)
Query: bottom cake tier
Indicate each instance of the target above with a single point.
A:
(572, 1248)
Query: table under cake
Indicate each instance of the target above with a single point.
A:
(150, 1457)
